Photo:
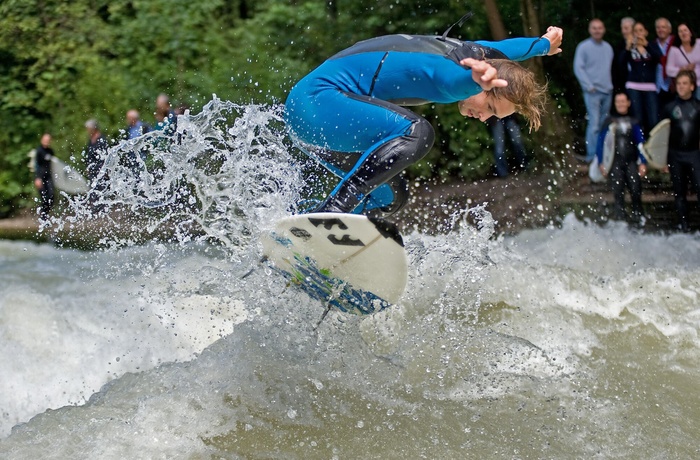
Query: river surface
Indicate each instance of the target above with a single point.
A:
(576, 341)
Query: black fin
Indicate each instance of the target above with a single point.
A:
(458, 24)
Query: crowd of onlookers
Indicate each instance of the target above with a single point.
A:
(627, 90)
(165, 119)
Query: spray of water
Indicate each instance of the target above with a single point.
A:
(221, 177)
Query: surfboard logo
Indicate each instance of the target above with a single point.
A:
(329, 224)
(344, 241)
(300, 233)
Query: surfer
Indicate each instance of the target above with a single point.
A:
(629, 165)
(683, 150)
(42, 175)
(348, 113)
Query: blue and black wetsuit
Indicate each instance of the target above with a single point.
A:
(348, 110)
(625, 167)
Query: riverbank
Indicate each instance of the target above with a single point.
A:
(537, 199)
(530, 199)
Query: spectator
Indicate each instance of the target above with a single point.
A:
(593, 69)
(619, 69)
(43, 181)
(629, 165)
(664, 40)
(642, 58)
(166, 120)
(684, 143)
(499, 127)
(684, 54)
(134, 126)
(94, 155)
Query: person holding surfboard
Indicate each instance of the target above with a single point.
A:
(349, 113)
(684, 143)
(628, 165)
(42, 175)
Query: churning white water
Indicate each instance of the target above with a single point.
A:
(572, 342)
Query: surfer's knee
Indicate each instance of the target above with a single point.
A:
(424, 135)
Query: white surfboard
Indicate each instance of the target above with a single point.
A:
(608, 156)
(67, 179)
(655, 150)
(351, 262)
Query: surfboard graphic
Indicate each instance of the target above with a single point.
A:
(67, 179)
(354, 263)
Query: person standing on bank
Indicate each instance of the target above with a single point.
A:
(684, 54)
(684, 143)
(643, 58)
(499, 127)
(664, 40)
(629, 165)
(593, 62)
(42, 175)
(619, 68)
(134, 126)
(94, 155)
(95, 151)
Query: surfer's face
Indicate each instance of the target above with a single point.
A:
(684, 87)
(45, 140)
(485, 105)
(622, 103)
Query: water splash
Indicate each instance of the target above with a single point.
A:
(221, 177)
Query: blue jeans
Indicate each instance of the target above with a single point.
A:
(598, 108)
(498, 131)
(645, 108)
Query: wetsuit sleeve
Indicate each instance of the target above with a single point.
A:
(601, 141)
(519, 49)
(638, 138)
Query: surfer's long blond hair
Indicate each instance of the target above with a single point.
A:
(523, 90)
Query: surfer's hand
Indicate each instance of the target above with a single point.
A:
(603, 171)
(484, 74)
(555, 35)
(38, 183)
(642, 170)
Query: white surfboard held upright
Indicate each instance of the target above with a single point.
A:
(67, 179)
(354, 263)
(655, 149)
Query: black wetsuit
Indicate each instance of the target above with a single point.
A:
(684, 151)
(42, 170)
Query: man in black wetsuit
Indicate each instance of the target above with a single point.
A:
(684, 143)
(42, 175)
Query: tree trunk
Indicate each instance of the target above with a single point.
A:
(556, 133)
(498, 30)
